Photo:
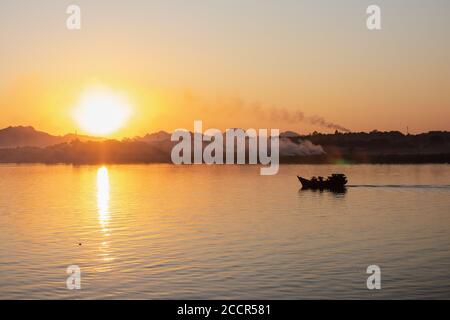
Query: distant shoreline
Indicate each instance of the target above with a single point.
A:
(308, 160)
(26, 145)
(373, 159)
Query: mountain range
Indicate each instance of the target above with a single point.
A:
(27, 136)
(24, 144)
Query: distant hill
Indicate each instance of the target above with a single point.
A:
(154, 137)
(383, 143)
(377, 147)
(27, 136)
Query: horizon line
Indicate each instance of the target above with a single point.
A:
(315, 132)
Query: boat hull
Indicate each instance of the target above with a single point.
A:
(322, 185)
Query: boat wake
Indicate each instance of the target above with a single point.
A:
(417, 186)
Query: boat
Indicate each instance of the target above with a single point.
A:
(336, 181)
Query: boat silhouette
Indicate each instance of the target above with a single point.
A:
(336, 181)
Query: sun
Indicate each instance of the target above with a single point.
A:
(102, 111)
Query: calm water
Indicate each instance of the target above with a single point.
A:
(162, 231)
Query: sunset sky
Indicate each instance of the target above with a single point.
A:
(245, 63)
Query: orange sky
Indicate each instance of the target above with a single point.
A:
(256, 65)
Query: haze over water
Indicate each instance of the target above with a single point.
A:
(164, 231)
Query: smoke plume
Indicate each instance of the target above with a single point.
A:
(298, 116)
(230, 107)
(303, 148)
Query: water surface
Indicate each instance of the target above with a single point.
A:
(204, 232)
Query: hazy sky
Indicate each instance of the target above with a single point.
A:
(247, 63)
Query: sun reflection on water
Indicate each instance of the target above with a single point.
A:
(103, 197)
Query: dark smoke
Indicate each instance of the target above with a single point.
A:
(325, 124)
(232, 106)
(298, 116)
